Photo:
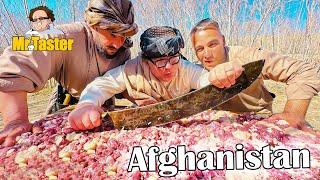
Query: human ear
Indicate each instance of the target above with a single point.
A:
(223, 40)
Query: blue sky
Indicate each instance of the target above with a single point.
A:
(294, 10)
(291, 10)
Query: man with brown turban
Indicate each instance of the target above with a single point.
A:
(99, 44)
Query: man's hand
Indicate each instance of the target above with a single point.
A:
(85, 116)
(294, 113)
(14, 110)
(12, 130)
(225, 75)
(293, 120)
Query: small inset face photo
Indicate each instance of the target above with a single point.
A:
(40, 21)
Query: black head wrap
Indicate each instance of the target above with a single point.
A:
(159, 41)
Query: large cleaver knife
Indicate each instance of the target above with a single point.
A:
(183, 106)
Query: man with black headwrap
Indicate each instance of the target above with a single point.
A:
(159, 73)
(99, 44)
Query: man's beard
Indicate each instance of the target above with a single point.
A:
(103, 53)
(101, 49)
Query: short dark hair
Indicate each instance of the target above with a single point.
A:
(44, 8)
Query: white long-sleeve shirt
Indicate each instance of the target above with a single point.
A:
(190, 76)
(52, 31)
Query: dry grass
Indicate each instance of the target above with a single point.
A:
(313, 114)
(38, 102)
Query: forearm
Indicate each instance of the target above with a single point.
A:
(13, 106)
(297, 107)
(93, 95)
(301, 78)
(104, 87)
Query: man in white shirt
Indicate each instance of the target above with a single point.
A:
(159, 73)
(41, 19)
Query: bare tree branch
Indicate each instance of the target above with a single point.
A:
(25, 5)
(273, 6)
(10, 18)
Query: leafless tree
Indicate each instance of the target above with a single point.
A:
(256, 23)
(8, 16)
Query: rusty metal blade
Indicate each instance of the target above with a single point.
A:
(186, 105)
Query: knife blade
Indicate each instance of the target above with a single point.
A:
(183, 106)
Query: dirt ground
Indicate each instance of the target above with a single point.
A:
(38, 102)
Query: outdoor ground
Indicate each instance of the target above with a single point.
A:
(38, 102)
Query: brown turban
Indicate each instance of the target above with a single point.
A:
(117, 16)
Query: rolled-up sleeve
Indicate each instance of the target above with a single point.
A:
(196, 74)
(301, 78)
(104, 87)
(26, 70)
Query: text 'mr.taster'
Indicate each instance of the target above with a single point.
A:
(21, 43)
